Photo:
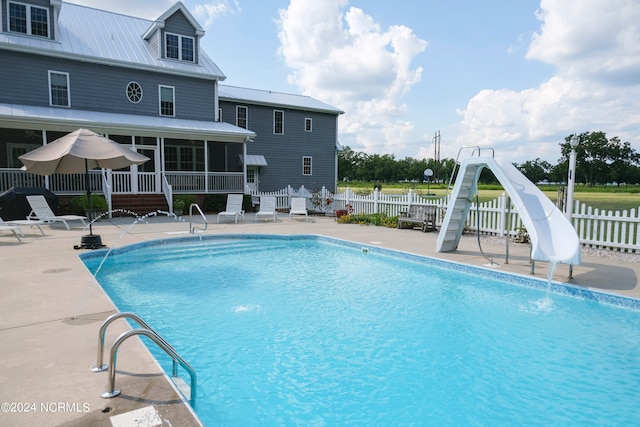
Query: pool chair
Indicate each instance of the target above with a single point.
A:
(19, 222)
(41, 212)
(234, 207)
(14, 228)
(298, 207)
(267, 208)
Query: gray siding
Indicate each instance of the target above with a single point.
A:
(98, 87)
(284, 153)
(179, 24)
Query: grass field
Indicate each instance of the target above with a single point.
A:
(607, 198)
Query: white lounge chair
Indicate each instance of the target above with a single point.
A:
(298, 207)
(41, 211)
(234, 207)
(19, 222)
(267, 208)
(14, 228)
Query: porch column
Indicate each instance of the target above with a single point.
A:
(244, 167)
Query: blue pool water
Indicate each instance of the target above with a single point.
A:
(311, 331)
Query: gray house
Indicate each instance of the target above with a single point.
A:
(148, 85)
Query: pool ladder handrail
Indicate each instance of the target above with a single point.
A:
(147, 331)
(192, 228)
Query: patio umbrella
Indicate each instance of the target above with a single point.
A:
(78, 152)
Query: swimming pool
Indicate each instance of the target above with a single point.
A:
(286, 330)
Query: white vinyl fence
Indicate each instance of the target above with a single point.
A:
(619, 230)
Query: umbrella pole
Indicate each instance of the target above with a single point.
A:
(88, 185)
(90, 241)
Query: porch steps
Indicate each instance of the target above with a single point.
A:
(138, 203)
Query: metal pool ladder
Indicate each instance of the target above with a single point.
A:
(192, 227)
(147, 331)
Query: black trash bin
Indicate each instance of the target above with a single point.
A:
(14, 204)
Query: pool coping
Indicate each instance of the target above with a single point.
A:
(47, 356)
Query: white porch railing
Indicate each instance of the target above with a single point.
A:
(182, 182)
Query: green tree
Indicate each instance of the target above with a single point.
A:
(600, 160)
(535, 170)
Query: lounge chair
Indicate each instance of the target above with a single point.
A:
(14, 228)
(267, 208)
(298, 207)
(234, 207)
(19, 222)
(41, 212)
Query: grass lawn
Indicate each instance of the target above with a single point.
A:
(607, 198)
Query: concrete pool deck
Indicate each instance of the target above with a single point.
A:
(51, 310)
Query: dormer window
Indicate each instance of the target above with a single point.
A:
(28, 19)
(179, 47)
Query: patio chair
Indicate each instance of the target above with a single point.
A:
(19, 222)
(14, 228)
(298, 207)
(41, 212)
(234, 208)
(267, 208)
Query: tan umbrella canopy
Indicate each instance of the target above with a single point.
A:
(78, 152)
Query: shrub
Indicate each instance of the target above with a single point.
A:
(79, 204)
(380, 220)
(187, 199)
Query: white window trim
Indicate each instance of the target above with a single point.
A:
(274, 122)
(310, 165)
(173, 93)
(68, 89)
(28, 6)
(180, 37)
(310, 120)
(126, 90)
(246, 109)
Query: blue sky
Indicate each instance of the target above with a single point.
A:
(515, 75)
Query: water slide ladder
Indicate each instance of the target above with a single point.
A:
(463, 199)
(147, 331)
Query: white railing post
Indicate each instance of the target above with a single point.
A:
(376, 195)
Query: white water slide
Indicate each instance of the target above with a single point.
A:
(552, 236)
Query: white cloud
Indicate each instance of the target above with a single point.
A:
(210, 11)
(345, 58)
(596, 51)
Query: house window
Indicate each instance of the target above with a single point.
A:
(179, 47)
(306, 165)
(28, 19)
(307, 124)
(181, 158)
(167, 101)
(17, 150)
(241, 117)
(59, 89)
(219, 114)
(134, 92)
(278, 122)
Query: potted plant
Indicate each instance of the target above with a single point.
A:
(80, 205)
(178, 206)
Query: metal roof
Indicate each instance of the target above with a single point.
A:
(267, 97)
(33, 117)
(254, 160)
(110, 38)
